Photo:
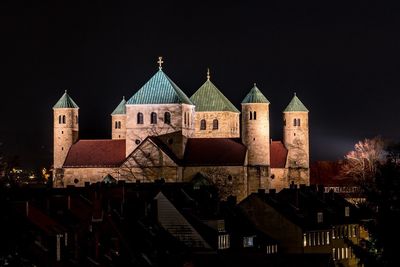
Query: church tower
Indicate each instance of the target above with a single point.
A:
(255, 136)
(66, 128)
(118, 121)
(296, 140)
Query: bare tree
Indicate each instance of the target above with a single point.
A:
(362, 163)
(222, 180)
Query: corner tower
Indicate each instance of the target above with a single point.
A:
(118, 121)
(255, 136)
(296, 140)
(66, 128)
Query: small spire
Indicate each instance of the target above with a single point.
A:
(294, 93)
(208, 74)
(65, 90)
(123, 97)
(255, 84)
(160, 62)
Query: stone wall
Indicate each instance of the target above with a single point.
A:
(136, 133)
(228, 124)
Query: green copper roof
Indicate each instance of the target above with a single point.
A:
(295, 105)
(120, 109)
(65, 102)
(209, 98)
(255, 96)
(160, 89)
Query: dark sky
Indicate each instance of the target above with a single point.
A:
(343, 62)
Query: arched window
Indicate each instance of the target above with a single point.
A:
(63, 119)
(119, 125)
(203, 124)
(116, 125)
(153, 118)
(251, 115)
(140, 118)
(184, 119)
(215, 124)
(188, 120)
(255, 115)
(59, 119)
(167, 118)
(298, 122)
(294, 122)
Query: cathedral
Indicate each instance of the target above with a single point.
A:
(161, 133)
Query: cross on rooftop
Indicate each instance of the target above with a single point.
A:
(160, 62)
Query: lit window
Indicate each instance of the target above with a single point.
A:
(248, 241)
(223, 241)
(304, 240)
(347, 211)
(327, 238)
(153, 118)
(140, 118)
(215, 124)
(320, 217)
(334, 253)
(167, 118)
(203, 124)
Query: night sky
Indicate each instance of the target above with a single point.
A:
(342, 61)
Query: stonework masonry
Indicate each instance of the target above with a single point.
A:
(228, 125)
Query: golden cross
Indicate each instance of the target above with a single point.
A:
(160, 62)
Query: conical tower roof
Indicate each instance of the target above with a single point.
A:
(120, 109)
(160, 89)
(255, 96)
(209, 98)
(295, 105)
(65, 102)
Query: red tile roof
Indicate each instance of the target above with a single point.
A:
(214, 152)
(96, 153)
(278, 154)
(329, 173)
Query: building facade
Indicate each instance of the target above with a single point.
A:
(162, 133)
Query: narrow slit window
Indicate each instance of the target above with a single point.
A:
(167, 118)
(254, 115)
(203, 124)
(140, 118)
(63, 119)
(153, 118)
(59, 119)
(215, 124)
(251, 115)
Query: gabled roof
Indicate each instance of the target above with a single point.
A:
(96, 153)
(160, 89)
(278, 154)
(214, 152)
(295, 105)
(209, 98)
(65, 102)
(255, 96)
(120, 109)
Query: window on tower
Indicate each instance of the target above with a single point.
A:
(215, 124)
(184, 118)
(254, 115)
(140, 118)
(251, 115)
(153, 118)
(203, 124)
(59, 119)
(116, 125)
(298, 122)
(119, 125)
(63, 119)
(294, 122)
(167, 118)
